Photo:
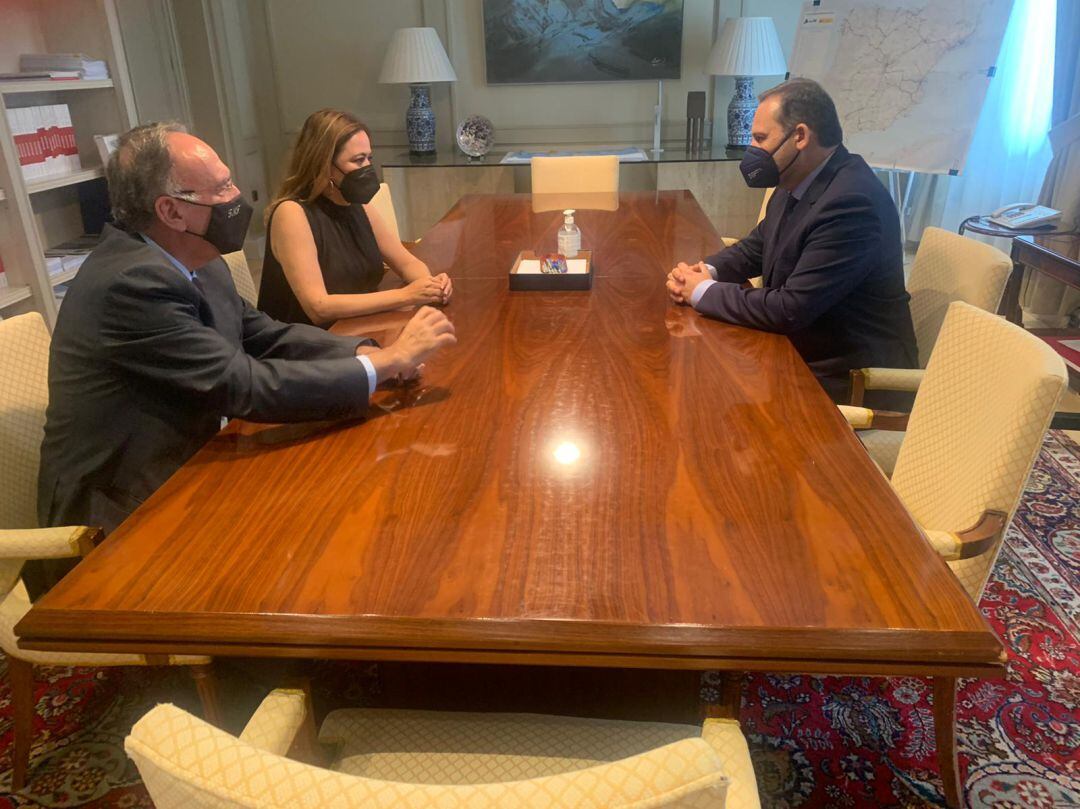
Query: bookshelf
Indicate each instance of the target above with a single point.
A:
(20, 86)
(61, 180)
(38, 214)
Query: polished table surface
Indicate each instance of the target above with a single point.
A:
(588, 478)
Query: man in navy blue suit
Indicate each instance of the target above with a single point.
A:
(828, 249)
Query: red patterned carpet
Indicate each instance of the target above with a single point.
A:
(817, 742)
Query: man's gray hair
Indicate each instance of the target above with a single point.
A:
(140, 171)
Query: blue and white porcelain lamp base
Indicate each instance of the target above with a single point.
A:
(740, 113)
(420, 121)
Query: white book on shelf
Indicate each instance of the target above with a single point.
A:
(54, 160)
(17, 121)
(37, 126)
(68, 131)
(73, 262)
(35, 169)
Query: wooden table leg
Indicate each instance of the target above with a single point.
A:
(1010, 300)
(730, 697)
(206, 685)
(306, 747)
(945, 731)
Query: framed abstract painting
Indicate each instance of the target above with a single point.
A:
(541, 41)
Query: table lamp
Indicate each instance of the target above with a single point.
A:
(746, 47)
(416, 57)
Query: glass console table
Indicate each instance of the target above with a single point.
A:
(453, 158)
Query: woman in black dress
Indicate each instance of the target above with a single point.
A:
(326, 246)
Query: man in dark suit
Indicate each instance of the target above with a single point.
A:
(153, 346)
(828, 249)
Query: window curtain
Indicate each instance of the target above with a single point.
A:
(1047, 302)
(1010, 151)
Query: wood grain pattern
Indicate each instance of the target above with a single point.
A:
(595, 478)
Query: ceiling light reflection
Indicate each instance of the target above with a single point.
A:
(567, 453)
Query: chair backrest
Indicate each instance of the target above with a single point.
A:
(577, 174)
(976, 427)
(241, 275)
(765, 203)
(383, 202)
(24, 395)
(185, 762)
(951, 268)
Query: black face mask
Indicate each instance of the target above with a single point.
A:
(228, 223)
(758, 167)
(360, 185)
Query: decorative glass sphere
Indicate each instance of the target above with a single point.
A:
(475, 136)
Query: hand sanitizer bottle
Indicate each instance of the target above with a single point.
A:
(569, 235)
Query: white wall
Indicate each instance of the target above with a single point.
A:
(328, 53)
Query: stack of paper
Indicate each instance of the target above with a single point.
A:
(70, 255)
(88, 68)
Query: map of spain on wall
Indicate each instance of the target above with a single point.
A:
(534, 41)
(909, 77)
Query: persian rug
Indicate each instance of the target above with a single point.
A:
(815, 741)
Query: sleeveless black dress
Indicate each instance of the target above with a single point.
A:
(349, 258)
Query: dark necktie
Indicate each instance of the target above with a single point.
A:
(198, 284)
(789, 206)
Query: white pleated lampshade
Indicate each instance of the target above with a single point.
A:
(416, 56)
(747, 46)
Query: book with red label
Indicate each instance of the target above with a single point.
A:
(69, 146)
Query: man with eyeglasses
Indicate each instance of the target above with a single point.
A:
(153, 346)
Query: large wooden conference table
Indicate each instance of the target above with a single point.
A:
(593, 478)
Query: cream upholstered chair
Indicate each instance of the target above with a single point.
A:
(578, 174)
(241, 275)
(383, 202)
(24, 393)
(978, 422)
(730, 240)
(452, 760)
(947, 268)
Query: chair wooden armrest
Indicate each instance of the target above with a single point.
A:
(972, 542)
(48, 543)
(863, 418)
(864, 379)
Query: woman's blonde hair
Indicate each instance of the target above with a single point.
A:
(323, 135)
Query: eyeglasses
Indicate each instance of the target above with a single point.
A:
(220, 189)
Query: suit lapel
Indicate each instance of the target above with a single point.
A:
(791, 223)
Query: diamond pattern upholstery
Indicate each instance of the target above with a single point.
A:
(186, 762)
(883, 446)
(756, 281)
(241, 275)
(383, 202)
(951, 268)
(274, 725)
(24, 395)
(947, 268)
(576, 174)
(977, 424)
